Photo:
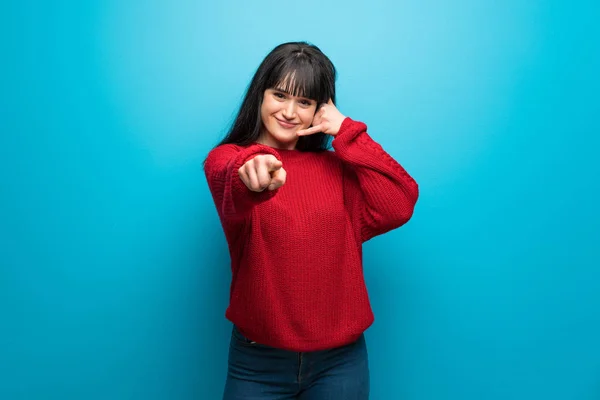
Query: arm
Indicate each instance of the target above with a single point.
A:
(233, 199)
(383, 194)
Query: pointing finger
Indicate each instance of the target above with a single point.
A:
(273, 164)
(310, 131)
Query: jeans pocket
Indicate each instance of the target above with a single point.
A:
(241, 339)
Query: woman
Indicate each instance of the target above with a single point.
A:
(295, 215)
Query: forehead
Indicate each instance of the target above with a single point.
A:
(298, 84)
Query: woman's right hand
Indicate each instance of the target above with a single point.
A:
(262, 172)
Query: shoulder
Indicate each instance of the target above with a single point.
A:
(222, 153)
(225, 154)
(224, 150)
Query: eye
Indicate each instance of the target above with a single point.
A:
(279, 95)
(306, 103)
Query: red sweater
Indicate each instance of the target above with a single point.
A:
(296, 252)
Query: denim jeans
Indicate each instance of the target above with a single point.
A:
(259, 372)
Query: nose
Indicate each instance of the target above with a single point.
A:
(289, 110)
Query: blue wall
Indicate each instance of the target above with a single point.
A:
(114, 269)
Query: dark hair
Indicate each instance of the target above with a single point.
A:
(302, 70)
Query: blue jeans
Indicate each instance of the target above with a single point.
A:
(259, 372)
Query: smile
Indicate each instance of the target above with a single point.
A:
(285, 125)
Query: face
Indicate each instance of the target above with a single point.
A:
(283, 115)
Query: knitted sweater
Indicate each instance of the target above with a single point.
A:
(296, 252)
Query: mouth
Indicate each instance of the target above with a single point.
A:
(285, 125)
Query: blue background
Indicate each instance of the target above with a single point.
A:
(113, 267)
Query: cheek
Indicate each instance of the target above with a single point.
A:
(270, 107)
(265, 109)
(307, 117)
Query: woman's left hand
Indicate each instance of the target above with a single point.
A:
(327, 119)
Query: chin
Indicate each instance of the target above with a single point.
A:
(284, 136)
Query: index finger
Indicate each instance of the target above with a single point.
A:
(273, 164)
(310, 131)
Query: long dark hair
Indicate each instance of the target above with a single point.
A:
(306, 72)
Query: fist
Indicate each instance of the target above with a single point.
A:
(262, 172)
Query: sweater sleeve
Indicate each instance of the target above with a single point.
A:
(382, 194)
(232, 198)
